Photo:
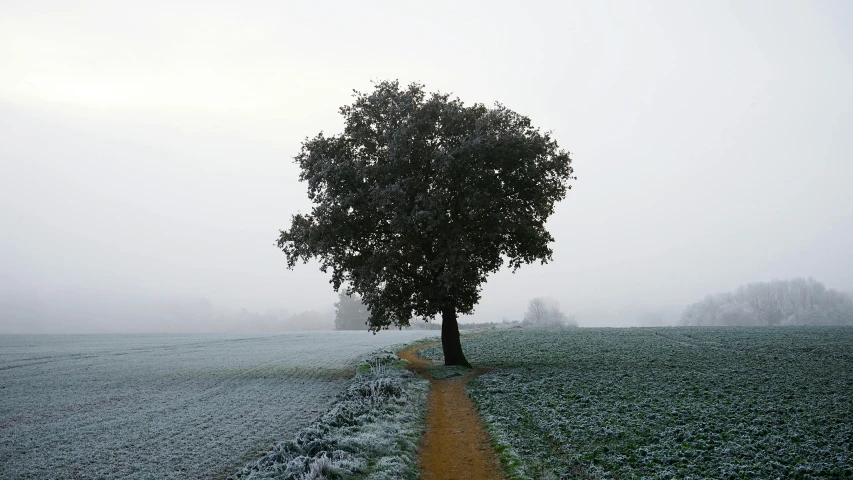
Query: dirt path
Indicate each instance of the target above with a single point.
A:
(455, 445)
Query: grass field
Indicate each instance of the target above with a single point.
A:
(165, 406)
(668, 402)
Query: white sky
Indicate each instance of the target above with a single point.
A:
(147, 146)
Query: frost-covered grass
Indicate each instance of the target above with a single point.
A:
(166, 406)
(669, 402)
(371, 432)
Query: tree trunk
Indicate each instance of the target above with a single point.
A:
(450, 341)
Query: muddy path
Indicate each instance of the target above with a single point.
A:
(456, 445)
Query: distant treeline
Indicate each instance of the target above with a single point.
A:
(780, 302)
(351, 314)
(78, 310)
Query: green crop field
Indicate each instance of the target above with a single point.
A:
(668, 402)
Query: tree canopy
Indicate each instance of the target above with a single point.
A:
(421, 197)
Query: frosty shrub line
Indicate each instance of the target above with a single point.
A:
(372, 431)
(682, 402)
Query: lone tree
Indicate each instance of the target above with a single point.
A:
(421, 198)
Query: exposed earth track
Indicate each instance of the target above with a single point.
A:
(456, 445)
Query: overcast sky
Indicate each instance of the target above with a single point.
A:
(146, 147)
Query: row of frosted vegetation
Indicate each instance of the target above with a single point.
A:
(371, 432)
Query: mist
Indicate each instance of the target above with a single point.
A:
(146, 153)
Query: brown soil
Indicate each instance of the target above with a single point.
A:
(455, 445)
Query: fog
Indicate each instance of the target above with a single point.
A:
(146, 150)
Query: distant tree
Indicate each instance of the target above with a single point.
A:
(792, 302)
(350, 313)
(536, 312)
(545, 312)
(421, 198)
